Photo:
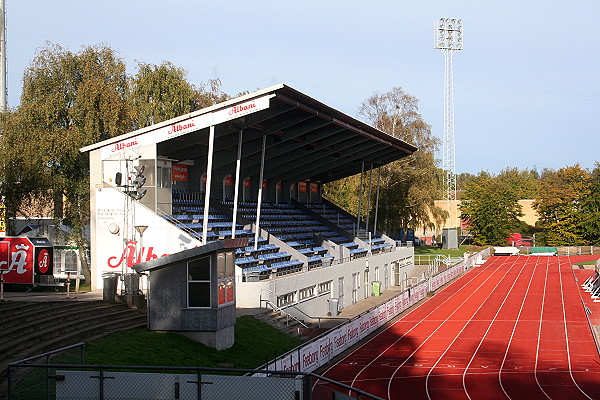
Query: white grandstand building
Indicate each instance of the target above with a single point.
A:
(249, 169)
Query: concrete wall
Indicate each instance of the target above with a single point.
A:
(388, 266)
(167, 305)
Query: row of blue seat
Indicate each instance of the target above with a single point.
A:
(200, 217)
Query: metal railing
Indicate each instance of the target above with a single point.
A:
(278, 309)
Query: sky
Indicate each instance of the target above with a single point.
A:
(526, 84)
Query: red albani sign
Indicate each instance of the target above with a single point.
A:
(23, 258)
(179, 172)
(302, 186)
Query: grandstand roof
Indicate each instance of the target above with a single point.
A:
(306, 139)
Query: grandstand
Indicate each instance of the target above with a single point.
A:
(249, 169)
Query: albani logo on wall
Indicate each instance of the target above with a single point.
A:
(187, 126)
(117, 147)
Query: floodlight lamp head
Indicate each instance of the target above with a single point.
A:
(448, 34)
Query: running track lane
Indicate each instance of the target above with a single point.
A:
(513, 328)
(396, 339)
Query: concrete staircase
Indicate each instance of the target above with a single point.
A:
(31, 328)
(287, 325)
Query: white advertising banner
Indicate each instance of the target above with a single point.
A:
(353, 332)
(291, 362)
(309, 357)
(184, 127)
(381, 315)
(390, 310)
(364, 326)
(326, 346)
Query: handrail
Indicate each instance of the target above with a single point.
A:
(177, 223)
(48, 353)
(317, 318)
(280, 310)
(585, 311)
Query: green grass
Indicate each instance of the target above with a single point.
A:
(590, 262)
(433, 250)
(255, 343)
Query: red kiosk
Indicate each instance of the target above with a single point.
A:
(26, 260)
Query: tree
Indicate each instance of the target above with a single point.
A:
(524, 182)
(161, 92)
(68, 101)
(561, 200)
(408, 186)
(211, 93)
(590, 210)
(491, 209)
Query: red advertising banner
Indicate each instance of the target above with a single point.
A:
(302, 186)
(314, 187)
(16, 257)
(204, 178)
(279, 185)
(264, 186)
(228, 180)
(179, 172)
(247, 182)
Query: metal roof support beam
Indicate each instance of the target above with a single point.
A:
(327, 172)
(283, 149)
(380, 139)
(253, 151)
(211, 145)
(305, 165)
(236, 188)
(260, 188)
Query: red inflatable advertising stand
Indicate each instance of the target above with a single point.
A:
(25, 260)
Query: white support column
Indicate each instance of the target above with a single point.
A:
(260, 185)
(360, 192)
(377, 199)
(369, 197)
(211, 148)
(236, 190)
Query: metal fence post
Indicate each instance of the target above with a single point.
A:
(9, 383)
(48, 377)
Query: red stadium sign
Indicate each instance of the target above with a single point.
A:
(179, 172)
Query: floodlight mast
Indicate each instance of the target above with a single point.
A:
(3, 72)
(448, 37)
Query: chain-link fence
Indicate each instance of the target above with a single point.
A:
(75, 381)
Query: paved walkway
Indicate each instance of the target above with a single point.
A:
(53, 296)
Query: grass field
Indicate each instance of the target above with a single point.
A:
(255, 343)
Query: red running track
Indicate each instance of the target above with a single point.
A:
(513, 328)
